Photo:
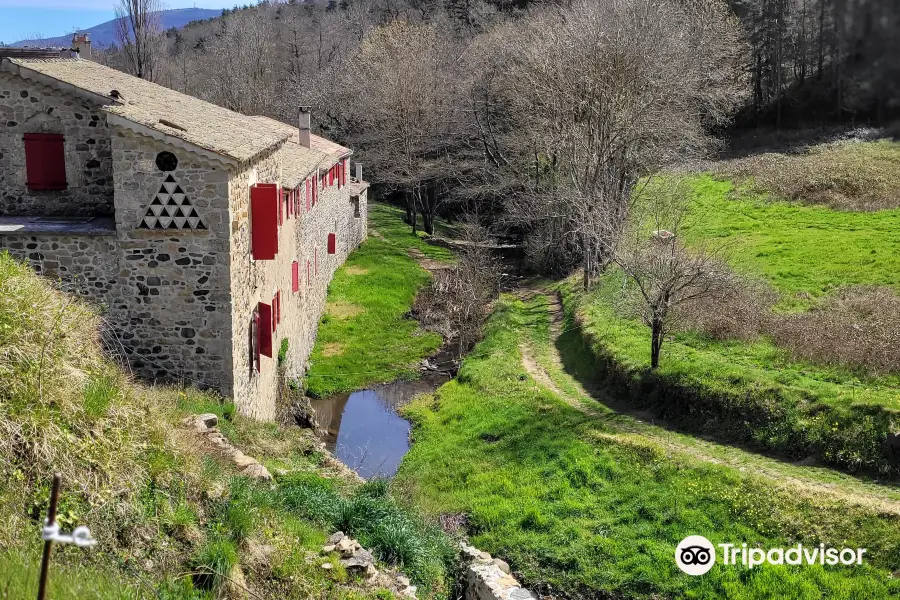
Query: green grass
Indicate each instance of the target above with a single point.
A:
(19, 579)
(570, 502)
(172, 518)
(753, 391)
(367, 337)
(802, 250)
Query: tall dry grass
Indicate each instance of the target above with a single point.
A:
(65, 407)
(846, 175)
(858, 327)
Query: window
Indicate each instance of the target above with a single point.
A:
(254, 340)
(356, 207)
(295, 277)
(264, 221)
(45, 161)
(264, 329)
(332, 243)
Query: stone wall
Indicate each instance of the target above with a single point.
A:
(173, 304)
(303, 237)
(28, 107)
(85, 265)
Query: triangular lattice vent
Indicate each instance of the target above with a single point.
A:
(171, 209)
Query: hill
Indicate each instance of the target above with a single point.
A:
(174, 515)
(104, 34)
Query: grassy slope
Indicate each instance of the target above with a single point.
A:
(164, 511)
(571, 503)
(764, 397)
(799, 249)
(367, 337)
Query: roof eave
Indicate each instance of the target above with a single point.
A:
(171, 140)
(31, 75)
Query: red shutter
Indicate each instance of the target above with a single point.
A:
(278, 313)
(308, 274)
(264, 330)
(307, 195)
(295, 277)
(264, 221)
(45, 161)
(332, 242)
(331, 176)
(280, 206)
(297, 201)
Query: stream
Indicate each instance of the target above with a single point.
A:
(364, 430)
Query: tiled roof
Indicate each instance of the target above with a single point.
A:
(332, 149)
(298, 162)
(199, 123)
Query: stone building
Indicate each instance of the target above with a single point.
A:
(208, 237)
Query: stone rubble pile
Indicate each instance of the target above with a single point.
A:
(206, 425)
(489, 578)
(359, 561)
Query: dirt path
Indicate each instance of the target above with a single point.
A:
(625, 424)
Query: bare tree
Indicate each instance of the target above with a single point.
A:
(401, 86)
(139, 35)
(662, 272)
(591, 98)
(456, 303)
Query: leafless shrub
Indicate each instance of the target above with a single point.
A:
(456, 303)
(858, 327)
(851, 175)
(741, 314)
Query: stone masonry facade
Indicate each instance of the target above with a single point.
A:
(180, 292)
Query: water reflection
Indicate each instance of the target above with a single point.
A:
(363, 429)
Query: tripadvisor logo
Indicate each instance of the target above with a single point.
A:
(696, 555)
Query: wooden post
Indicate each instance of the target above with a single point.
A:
(51, 519)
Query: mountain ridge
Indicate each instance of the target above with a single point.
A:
(104, 34)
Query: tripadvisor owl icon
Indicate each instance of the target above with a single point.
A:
(695, 555)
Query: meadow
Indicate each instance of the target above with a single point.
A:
(366, 336)
(579, 508)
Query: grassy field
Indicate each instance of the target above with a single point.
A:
(755, 391)
(804, 251)
(365, 336)
(173, 520)
(575, 504)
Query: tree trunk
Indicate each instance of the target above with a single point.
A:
(656, 341)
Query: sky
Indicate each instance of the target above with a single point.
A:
(25, 19)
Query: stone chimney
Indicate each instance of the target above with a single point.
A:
(82, 43)
(358, 171)
(304, 127)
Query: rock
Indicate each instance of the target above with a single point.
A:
(403, 580)
(257, 471)
(484, 556)
(328, 549)
(371, 571)
(502, 565)
(336, 537)
(327, 566)
(208, 419)
(346, 547)
(359, 562)
(520, 594)
(410, 591)
(470, 553)
(242, 460)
